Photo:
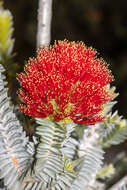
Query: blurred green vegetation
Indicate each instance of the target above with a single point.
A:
(99, 23)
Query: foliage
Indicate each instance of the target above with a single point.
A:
(106, 172)
(14, 157)
(6, 46)
(114, 130)
(6, 31)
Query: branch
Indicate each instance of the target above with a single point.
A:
(44, 22)
(119, 184)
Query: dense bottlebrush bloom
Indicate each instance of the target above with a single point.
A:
(66, 81)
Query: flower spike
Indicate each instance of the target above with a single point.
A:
(66, 81)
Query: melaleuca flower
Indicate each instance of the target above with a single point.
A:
(66, 80)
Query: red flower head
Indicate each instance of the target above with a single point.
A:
(66, 80)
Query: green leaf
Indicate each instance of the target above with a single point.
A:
(90, 165)
(6, 31)
(113, 131)
(106, 172)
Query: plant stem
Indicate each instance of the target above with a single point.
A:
(44, 23)
(120, 183)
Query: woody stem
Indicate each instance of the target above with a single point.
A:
(44, 23)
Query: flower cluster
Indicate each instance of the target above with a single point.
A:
(66, 80)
